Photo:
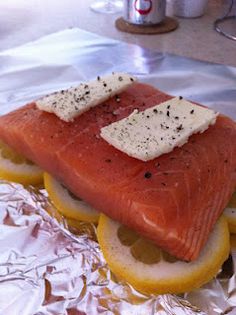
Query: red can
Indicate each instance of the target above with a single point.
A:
(144, 12)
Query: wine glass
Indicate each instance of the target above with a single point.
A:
(107, 6)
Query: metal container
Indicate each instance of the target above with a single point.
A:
(190, 8)
(144, 12)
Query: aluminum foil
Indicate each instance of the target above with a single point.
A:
(66, 58)
(46, 267)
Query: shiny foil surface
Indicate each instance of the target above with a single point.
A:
(47, 267)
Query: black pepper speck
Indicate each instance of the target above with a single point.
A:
(117, 98)
(148, 175)
(179, 128)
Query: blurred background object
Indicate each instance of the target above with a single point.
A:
(190, 8)
(226, 25)
(144, 12)
(23, 21)
(170, 7)
(107, 6)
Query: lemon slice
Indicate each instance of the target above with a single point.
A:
(230, 214)
(75, 226)
(16, 168)
(68, 204)
(152, 271)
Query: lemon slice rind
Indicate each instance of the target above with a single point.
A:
(23, 173)
(163, 277)
(68, 206)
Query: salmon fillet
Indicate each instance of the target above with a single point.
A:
(176, 205)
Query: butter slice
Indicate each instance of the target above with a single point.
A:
(158, 130)
(69, 103)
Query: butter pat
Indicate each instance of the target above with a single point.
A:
(67, 104)
(158, 130)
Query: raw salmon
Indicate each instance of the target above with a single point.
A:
(173, 200)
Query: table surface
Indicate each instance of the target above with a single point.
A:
(22, 21)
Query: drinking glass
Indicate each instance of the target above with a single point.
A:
(107, 6)
(226, 25)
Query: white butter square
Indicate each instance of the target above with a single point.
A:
(158, 130)
(68, 104)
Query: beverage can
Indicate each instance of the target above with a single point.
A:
(144, 12)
